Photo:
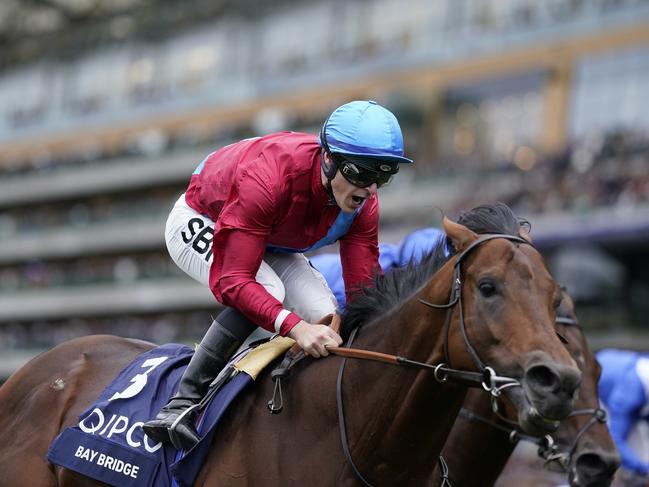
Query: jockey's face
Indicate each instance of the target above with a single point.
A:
(349, 197)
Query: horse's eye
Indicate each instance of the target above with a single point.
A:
(487, 288)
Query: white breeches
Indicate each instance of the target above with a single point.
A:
(289, 278)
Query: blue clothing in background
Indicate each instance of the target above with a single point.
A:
(413, 247)
(624, 390)
(330, 267)
(418, 243)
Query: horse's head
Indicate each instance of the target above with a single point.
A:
(505, 319)
(585, 446)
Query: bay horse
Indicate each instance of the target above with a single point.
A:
(487, 312)
(581, 447)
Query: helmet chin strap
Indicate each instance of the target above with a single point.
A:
(330, 173)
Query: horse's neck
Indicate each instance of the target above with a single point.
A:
(483, 446)
(399, 421)
(401, 415)
(413, 330)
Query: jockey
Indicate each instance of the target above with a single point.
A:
(624, 391)
(251, 209)
(413, 247)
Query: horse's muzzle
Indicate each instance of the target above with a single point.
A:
(549, 389)
(593, 468)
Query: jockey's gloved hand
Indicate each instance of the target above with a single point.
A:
(314, 339)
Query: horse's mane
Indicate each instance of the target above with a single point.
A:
(392, 288)
(497, 218)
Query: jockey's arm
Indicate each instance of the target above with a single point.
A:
(359, 251)
(623, 406)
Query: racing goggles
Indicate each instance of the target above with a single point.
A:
(365, 173)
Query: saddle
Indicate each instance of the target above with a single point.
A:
(108, 444)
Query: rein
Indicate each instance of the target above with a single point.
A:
(487, 377)
(488, 381)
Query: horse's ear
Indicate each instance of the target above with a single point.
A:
(460, 235)
(524, 232)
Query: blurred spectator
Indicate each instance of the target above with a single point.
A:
(93, 211)
(125, 270)
(36, 274)
(120, 269)
(599, 171)
(624, 391)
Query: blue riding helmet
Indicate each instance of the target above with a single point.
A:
(364, 131)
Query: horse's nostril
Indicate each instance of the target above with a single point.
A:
(593, 465)
(571, 378)
(543, 376)
(590, 462)
(559, 380)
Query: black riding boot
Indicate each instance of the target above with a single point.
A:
(175, 421)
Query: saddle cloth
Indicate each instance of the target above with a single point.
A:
(108, 444)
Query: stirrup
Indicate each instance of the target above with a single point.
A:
(158, 433)
(180, 441)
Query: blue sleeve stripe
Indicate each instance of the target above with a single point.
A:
(199, 168)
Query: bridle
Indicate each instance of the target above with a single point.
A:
(548, 448)
(486, 378)
(551, 452)
(456, 298)
(597, 415)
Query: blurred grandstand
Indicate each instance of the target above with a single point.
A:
(107, 107)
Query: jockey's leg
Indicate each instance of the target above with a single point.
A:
(175, 421)
(306, 290)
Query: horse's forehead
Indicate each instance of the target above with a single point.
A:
(507, 260)
(510, 256)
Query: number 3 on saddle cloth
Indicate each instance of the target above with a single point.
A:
(108, 444)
